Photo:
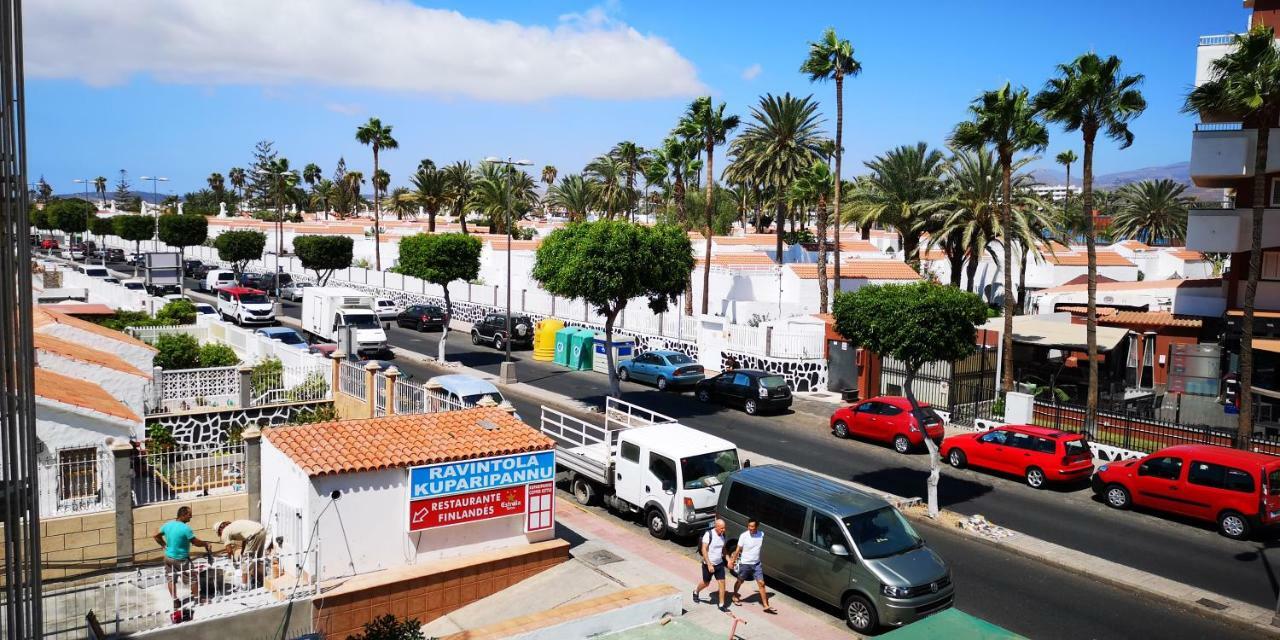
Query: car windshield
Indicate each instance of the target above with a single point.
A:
(362, 321)
(708, 469)
(475, 398)
(97, 273)
(253, 298)
(882, 533)
(289, 337)
(770, 382)
(134, 285)
(679, 358)
(386, 303)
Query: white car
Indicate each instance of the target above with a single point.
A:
(387, 308)
(134, 284)
(205, 309)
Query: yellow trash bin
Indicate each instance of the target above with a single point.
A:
(544, 339)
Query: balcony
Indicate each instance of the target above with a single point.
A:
(1222, 154)
(1229, 230)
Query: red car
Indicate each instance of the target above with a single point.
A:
(1237, 489)
(1037, 454)
(888, 419)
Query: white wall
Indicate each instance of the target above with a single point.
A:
(60, 427)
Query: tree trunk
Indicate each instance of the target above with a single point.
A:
(956, 257)
(461, 212)
(822, 255)
(971, 269)
(911, 250)
(710, 213)
(137, 249)
(614, 389)
(1091, 309)
(1022, 280)
(377, 215)
(448, 319)
(1006, 214)
(839, 157)
(1244, 429)
(781, 216)
(431, 220)
(935, 462)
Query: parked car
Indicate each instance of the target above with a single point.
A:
(493, 329)
(201, 271)
(113, 255)
(888, 419)
(753, 390)
(269, 282)
(49, 244)
(286, 335)
(135, 259)
(111, 280)
(386, 308)
(205, 309)
(216, 279)
(665, 369)
(1240, 490)
(190, 266)
(73, 252)
(325, 349)
(293, 292)
(245, 306)
(95, 272)
(468, 389)
(421, 317)
(134, 284)
(1038, 454)
(251, 281)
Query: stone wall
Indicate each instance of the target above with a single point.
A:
(802, 375)
(212, 428)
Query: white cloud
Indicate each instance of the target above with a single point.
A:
(344, 108)
(752, 71)
(372, 44)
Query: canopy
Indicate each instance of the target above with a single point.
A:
(953, 625)
(1056, 334)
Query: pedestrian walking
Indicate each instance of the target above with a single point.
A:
(177, 538)
(746, 559)
(712, 550)
(250, 538)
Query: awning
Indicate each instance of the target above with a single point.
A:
(1056, 334)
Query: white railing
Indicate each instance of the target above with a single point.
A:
(747, 339)
(289, 383)
(351, 380)
(797, 345)
(149, 335)
(414, 399)
(77, 481)
(186, 389)
(163, 476)
(1225, 38)
(380, 394)
(775, 344)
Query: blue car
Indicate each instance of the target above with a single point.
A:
(662, 368)
(286, 335)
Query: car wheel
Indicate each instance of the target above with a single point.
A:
(704, 395)
(1035, 478)
(751, 407)
(1233, 525)
(475, 338)
(1117, 497)
(662, 383)
(498, 343)
(623, 375)
(583, 493)
(956, 458)
(657, 523)
(841, 429)
(859, 614)
(422, 327)
(901, 444)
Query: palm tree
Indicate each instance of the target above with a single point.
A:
(971, 215)
(705, 122)
(321, 194)
(654, 171)
(374, 134)
(781, 142)
(237, 177)
(459, 180)
(1151, 211)
(430, 185)
(630, 155)
(549, 179)
(381, 180)
(811, 189)
(351, 183)
(609, 175)
(311, 174)
(1089, 95)
(903, 190)
(832, 59)
(1066, 159)
(216, 183)
(402, 201)
(575, 194)
(1004, 119)
(100, 188)
(500, 192)
(1245, 84)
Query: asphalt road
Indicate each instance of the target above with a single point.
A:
(1186, 551)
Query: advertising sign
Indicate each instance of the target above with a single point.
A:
(430, 513)
(469, 476)
(540, 507)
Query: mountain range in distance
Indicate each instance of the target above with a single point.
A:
(1179, 172)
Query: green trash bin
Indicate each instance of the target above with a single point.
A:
(580, 345)
(563, 338)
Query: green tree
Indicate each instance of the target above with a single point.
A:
(1004, 119)
(607, 263)
(134, 228)
(322, 195)
(430, 190)
(503, 192)
(311, 174)
(323, 254)
(575, 194)
(217, 354)
(549, 179)
(389, 628)
(810, 190)
(377, 136)
(1066, 159)
(177, 312)
(217, 183)
(630, 155)
(177, 351)
(44, 191)
(459, 180)
(706, 123)
(100, 188)
(259, 176)
(123, 194)
(238, 180)
(1244, 84)
(608, 179)
(102, 227)
(1091, 95)
(240, 247)
(70, 215)
(440, 259)
(916, 324)
(1151, 211)
(903, 190)
(831, 58)
(182, 231)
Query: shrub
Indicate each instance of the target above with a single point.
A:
(177, 351)
(177, 312)
(159, 438)
(324, 413)
(265, 376)
(314, 386)
(216, 354)
(389, 627)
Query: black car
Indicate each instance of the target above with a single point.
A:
(421, 317)
(268, 282)
(753, 390)
(189, 267)
(493, 329)
(251, 280)
(201, 272)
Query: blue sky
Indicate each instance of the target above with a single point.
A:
(182, 88)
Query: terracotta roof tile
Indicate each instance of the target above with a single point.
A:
(744, 259)
(1084, 279)
(934, 254)
(80, 393)
(1134, 245)
(80, 308)
(42, 317)
(500, 244)
(1104, 258)
(855, 245)
(1151, 318)
(1140, 285)
(1187, 255)
(1083, 309)
(868, 269)
(392, 442)
(754, 239)
(76, 351)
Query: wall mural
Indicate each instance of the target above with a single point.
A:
(210, 429)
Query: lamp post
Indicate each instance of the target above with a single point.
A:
(89, 219)
(279, 178)
(155, 195)
(508, 370)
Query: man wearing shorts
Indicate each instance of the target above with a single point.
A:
(747, 559)
(712, 549)
(176, 537)
(251, 538)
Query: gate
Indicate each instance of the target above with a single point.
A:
(380, 394)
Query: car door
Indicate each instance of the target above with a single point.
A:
(659, 481)
(1157, 483)
(826, 574)
(639, 368)
(990, 449)
(721, 387)
(742, 385)
(628, 476)
(1019, 450)
(891, 420)
(1212, 487)
(864, 417)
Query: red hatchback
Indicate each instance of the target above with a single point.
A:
(1037, 454)
(888, 419)
(1237, 489)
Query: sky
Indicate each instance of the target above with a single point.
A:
(183, 88)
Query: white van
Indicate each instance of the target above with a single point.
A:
(216, 279)
(242, 305)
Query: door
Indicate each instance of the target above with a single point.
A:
(782, 522)
(627, 474)
(826, 574)
(865, 416)
(1157, 484)
(642, 367)
(1020, 453)
(891, 420)
(1211, 488)
(722, 386)
(739, 389)
(990, 450)
(659, 482)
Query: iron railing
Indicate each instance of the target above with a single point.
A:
(1139, 432)
(163, 474)
(76, 481)
(351, 380)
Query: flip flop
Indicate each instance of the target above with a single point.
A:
(771, 610)
(696, 598)
(737, 601)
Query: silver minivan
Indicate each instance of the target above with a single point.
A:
(845, 547)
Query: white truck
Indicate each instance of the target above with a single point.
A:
(327, 312)
(163, 272)
(643, 462)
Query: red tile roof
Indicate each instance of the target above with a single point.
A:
(1134, 245)
(43, 317)
(748, 258)
(1104, 259)
(1140, 285)
(1084, 279)
(754, 239)
(393, 442)
(1187, 255)
(1150, 318)
(868, 269)
(80, 393)
(1083, 309)
(77, 351)
(500, 244)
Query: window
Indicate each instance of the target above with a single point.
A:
(778, 513)
(1207, 474)
(708, 469)
(1270, 265)
(887, 409)
(1275, 193)
(995, 437)
(742, 380)
(664, 470)
(882, 533)
(1273, 482)
(78, 474)
(825, 532)
(630, 452)
(1168, 468)
(871, 408)
(1020, 441)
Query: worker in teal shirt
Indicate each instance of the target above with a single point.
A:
(176, 537)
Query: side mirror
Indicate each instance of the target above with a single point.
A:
(839, 550)
(746, 464)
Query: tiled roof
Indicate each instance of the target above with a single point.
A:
(1187, 255)
(747, 258)
(1058, 247)
(868, 269)
(1134, 245)
(1104, 259)
(934, 254)
(1102, 311)
(1150, 318)
(500, 244)
(856, 245)
(80, 308)
(42, 317)
(756, 239)
(1084, 279)
(80, 393)
(76, 351)
(1160, 285)
(393, 442)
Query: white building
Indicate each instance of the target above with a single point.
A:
(1056, 192)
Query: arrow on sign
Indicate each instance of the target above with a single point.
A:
(420, 515)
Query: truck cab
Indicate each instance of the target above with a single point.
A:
(367, 333)
(327, 313)
(675, 475)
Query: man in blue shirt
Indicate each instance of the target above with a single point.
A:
(176, 537)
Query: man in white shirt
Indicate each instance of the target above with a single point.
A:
(747, 559)
(250, 537)
(712, 550)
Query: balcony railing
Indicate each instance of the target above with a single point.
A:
(1219, 126)
(1208, 41)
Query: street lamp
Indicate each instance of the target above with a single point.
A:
(89, 218)
(279, 177)
(508, 370)
(155, 195)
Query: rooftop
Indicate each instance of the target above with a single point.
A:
(80, 393)
(394, 442)
(1151, 318)
(77, 351)
(745, 259)
(44, 317)
(1140, 285)
(865, 269)
(1187, 255)
(1104, 259)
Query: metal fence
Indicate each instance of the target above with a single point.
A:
(149, 335)
(966, 387)
(1142, 433)
(163, 475)
(412, 398)
(351, 379)
(76, 481)
(380, 394)
(272, 384)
